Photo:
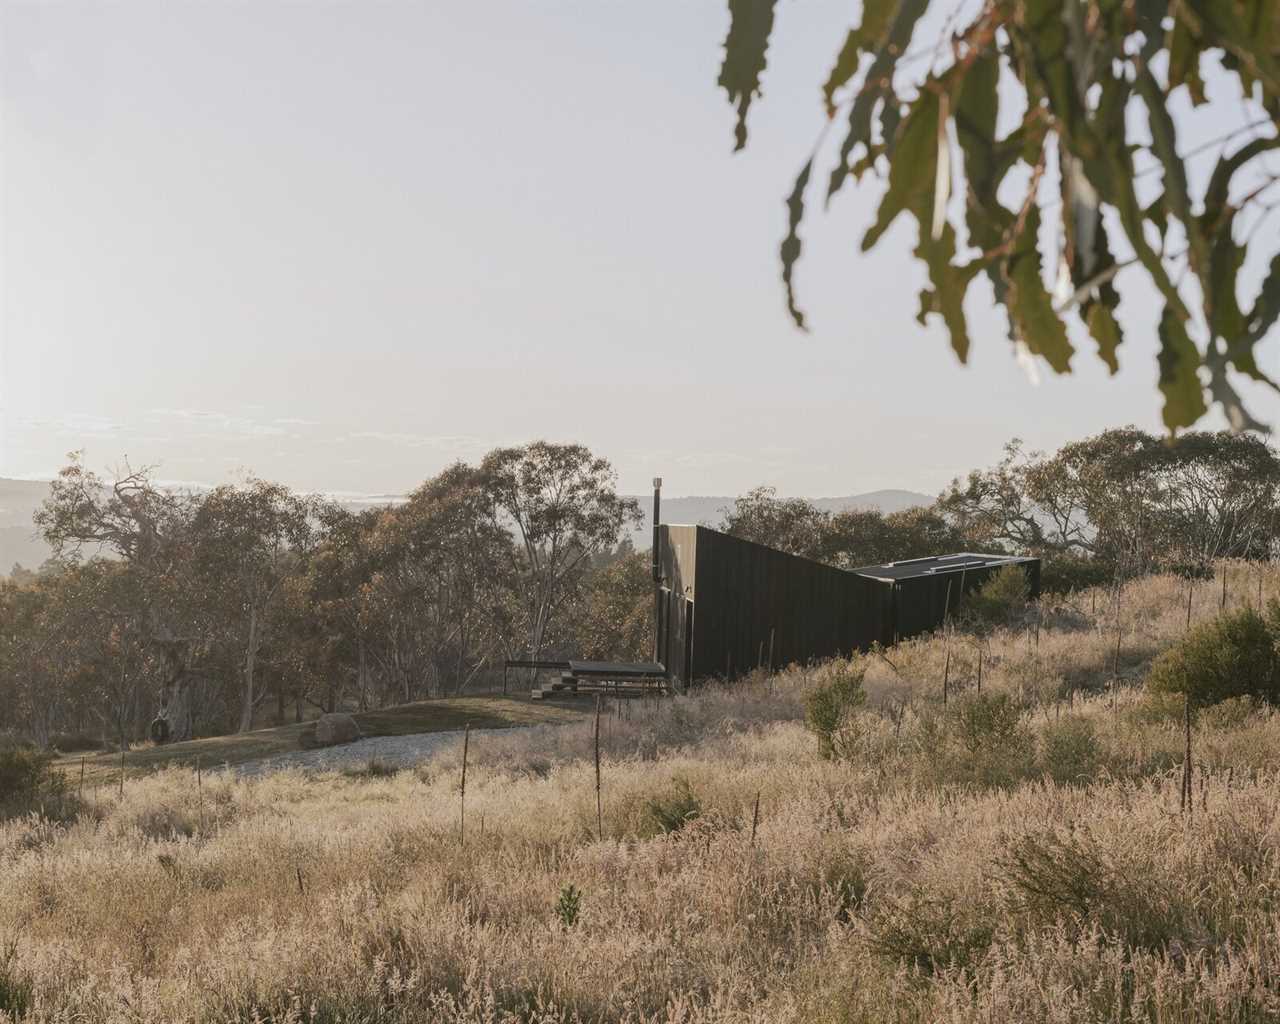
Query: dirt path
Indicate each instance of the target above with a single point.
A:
(392, 734)
(393, 751)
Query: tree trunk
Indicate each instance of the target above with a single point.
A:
(362, 670)
(176, 703)
(462, 653)
(250, 664)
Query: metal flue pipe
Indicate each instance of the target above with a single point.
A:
(657, 571)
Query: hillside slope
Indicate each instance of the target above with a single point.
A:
(1022, 854)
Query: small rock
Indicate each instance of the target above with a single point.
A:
(333, 729)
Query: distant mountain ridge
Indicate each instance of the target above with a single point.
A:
(19, 542)
(19, 499)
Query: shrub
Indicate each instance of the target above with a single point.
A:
(1232, 655)
(1064, 573)
(1055, 874)
(827, 705)
(996, 746)
(1190, 569)
(1064, 875)
(74, 742)
(1070, 752)
(569, 905)
(986, 721)
(929, 934)
(1000, 601)
(671, 813)
(1232, 713)
(28, 781)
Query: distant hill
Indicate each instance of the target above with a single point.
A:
(19, 500)
(709, 510)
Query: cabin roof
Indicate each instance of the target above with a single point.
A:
(934, 565)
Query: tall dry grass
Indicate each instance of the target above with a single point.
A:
(936, 870)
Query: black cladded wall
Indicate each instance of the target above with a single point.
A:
(730, 605)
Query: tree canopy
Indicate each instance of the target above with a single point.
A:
(210, 609)
(1037, 140)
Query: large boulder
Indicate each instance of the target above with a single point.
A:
(333, 729)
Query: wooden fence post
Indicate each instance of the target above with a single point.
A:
(1188, 800)
(599, 804)
(462, 820)
(1115, 662)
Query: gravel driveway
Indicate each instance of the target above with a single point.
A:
(398, 751)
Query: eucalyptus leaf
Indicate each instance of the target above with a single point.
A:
(745, 51)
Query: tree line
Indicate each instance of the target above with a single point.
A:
(252, 604)
(1119, 504)
(245, 605)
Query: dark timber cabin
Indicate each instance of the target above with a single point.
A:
(727, 605)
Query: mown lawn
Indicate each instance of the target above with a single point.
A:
(442, 715)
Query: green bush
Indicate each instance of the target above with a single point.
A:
(1000, 601)
(986, 721)
(1070, 753)
(29, 781)
(1065, 573)
(1189, 569)
(1067, 876)
(1233, 655)
(929, 934)
(672, 812)
(827, 705)
(995, 745)
(569, 905)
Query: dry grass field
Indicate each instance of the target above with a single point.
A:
(940, 868)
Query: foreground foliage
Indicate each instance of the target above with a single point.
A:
(1234, 655)
(1050, 113)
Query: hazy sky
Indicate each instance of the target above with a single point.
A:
(340, 245)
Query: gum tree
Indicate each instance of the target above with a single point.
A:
(562, 503)
(1091, 185)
